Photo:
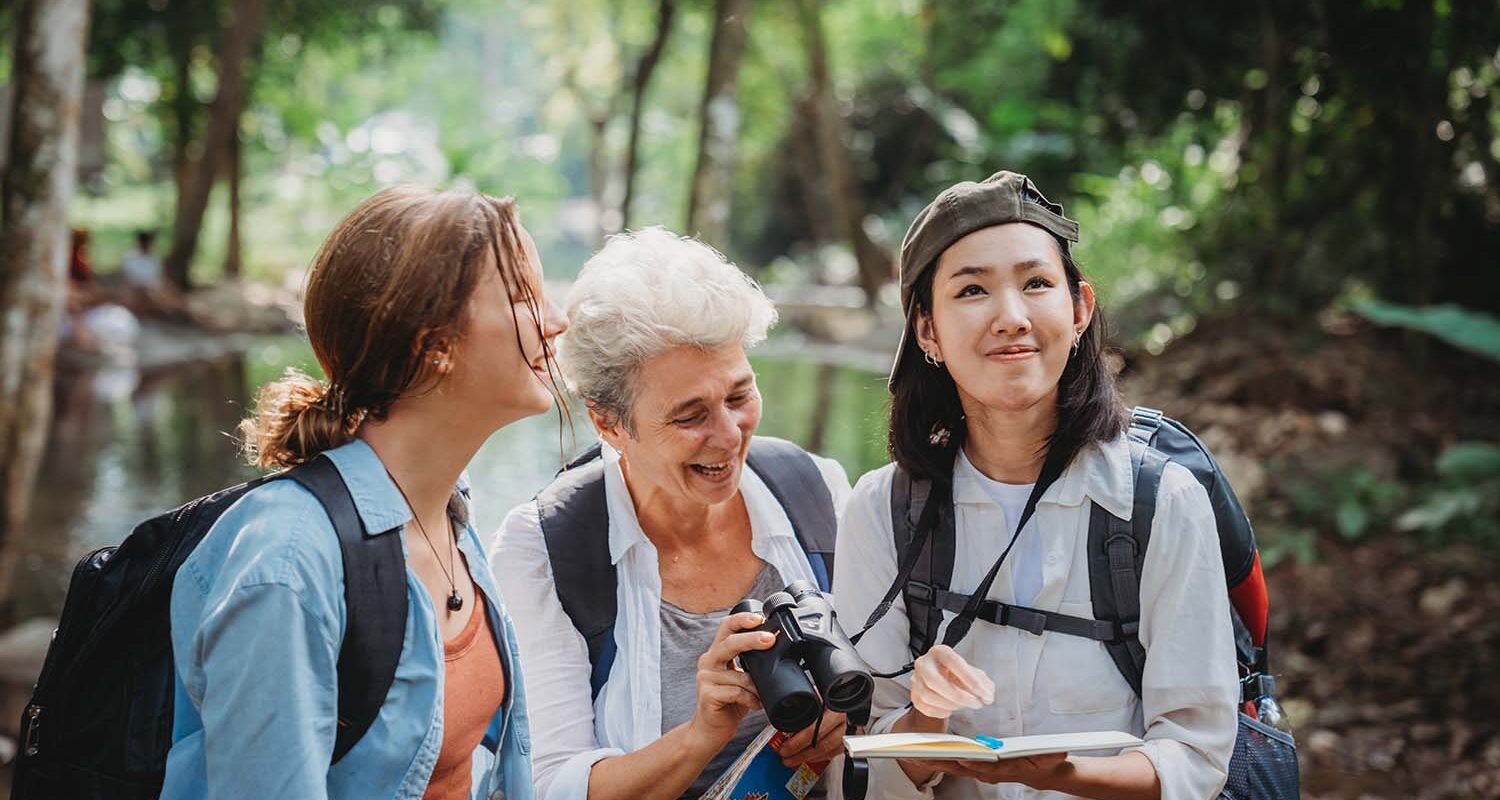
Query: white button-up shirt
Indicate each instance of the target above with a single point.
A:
(571, 733)
(1056, 683)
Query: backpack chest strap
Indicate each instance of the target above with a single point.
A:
(1031, 620)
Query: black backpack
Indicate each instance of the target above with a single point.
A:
(1264, 765)
(99, 723)
(575, 525)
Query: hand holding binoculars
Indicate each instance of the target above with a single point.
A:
(809, 641)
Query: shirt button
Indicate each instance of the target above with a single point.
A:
(1051, 558)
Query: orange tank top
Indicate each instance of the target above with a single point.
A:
(473, 689)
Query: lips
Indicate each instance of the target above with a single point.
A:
(1013, 352)
(713, 471)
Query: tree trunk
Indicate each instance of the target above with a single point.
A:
(233, 251)
(597, 177)
(184, 106)
(237, 41)
(639, 81)
(875, 267)
(712, 189)
(41, 166)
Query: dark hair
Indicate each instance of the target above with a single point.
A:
(927, 420)
(144, 238)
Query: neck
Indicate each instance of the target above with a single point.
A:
(425, 448)
(1010, 446)
(672, 523)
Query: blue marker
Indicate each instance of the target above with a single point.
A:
(990, 742)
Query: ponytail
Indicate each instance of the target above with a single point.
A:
(295, 419)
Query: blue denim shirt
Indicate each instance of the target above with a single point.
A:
(257, 619)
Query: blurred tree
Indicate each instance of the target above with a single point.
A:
(875, 265)
(42, 147)
(640, 79)
(240, 35)
(183, 45)
(712, 186)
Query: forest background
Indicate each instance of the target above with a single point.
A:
(1291, 210)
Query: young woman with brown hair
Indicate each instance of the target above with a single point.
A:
(425, 311)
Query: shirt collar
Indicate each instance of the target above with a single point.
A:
(625, 527)
(1100, 471)
(379, 503)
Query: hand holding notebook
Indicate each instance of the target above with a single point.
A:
(949, 747)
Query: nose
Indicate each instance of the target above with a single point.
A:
(726, 432)
(1011, 316)
(554, 321)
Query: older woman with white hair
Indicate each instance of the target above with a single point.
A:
(621, 573)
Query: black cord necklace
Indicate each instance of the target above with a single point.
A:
(455, 600)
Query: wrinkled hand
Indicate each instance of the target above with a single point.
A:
(943, 682)
(1034, 771)
(725, 694)
(800, 748)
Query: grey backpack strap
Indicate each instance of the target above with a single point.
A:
(798, 486)
(574, 519)
(1117, 553)
(922, 524)
(374, 602)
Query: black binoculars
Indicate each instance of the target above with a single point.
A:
(808, 641)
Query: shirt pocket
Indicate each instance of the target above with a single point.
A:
(1081, 677)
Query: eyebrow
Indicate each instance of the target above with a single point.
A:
(739, 385)
(1029, 265)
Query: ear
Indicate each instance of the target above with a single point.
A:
(609, 428)
(926, 333)
(1083, 307)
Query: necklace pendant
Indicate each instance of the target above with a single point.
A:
(455, 602)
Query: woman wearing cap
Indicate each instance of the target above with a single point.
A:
(680, 514)
(1003, 405)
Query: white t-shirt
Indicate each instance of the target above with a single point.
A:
(1026, 558)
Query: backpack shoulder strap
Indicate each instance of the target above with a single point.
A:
(574, 517)
(932, 570)
(797, 484)
(1144, 422)
(1117, 552)
(375, 601)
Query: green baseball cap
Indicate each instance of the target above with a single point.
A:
(962, 209)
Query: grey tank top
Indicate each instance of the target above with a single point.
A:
(685, 636)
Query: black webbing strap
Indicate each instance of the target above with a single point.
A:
(1117, 588)
(1031, 620)
(1057, 458)
(375, 603)
(937, 496)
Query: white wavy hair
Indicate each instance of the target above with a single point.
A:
(643, 294)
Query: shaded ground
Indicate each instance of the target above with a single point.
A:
(1387, 644)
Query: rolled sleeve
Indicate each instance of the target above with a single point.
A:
(865, 567)
(1189, 688)
(270, 695)
(554, 658)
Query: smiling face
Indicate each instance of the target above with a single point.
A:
(498, 366)
(1003, 320)
(693, 415)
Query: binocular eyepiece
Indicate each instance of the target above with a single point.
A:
(808, 641)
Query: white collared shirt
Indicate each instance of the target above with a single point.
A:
(571, 733)
(1055, 683)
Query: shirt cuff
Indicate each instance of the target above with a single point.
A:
(571, 780)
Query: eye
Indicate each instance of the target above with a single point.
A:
(972, 290)
(691, 419)
(1038, 282)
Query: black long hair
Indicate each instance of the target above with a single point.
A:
(927, 423)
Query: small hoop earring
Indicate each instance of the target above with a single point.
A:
(928, 357)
